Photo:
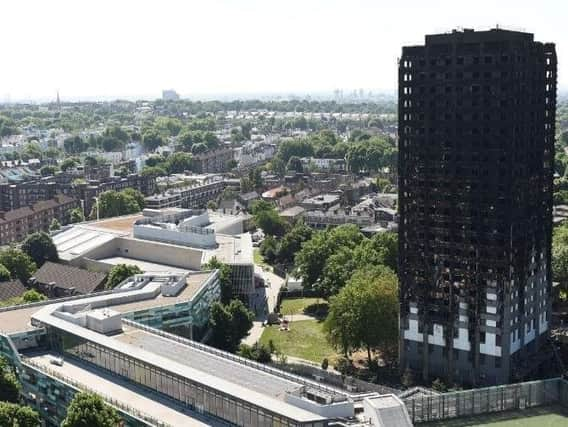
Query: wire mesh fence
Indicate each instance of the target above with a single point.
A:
(487, 400)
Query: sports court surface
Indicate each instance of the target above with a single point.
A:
(549, 416)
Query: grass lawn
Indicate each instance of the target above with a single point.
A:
(305, 340)
(298, 305)
(550, 416)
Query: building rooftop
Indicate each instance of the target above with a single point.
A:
(231, 249)
(237, 377)
(74, 241)
(40, 206)
(122, 224)
(471, 36)
(113, 388)
(322, 199)
(11, 289)
(145, 266)
(68, 277)
(18, 318)
(292, 212)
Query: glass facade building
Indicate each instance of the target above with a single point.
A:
(197, 396)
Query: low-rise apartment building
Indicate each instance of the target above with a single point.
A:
(16, 224)
(192, 196)
(213, 161)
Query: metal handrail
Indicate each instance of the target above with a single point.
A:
(113, 402)
(247, 362)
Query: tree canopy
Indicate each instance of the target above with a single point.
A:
(224, 278)
(364, 314)
(151, 140)
(4, 273)
(19, 264)
(40, 248)
(229, 324)
(9, 385)
(371, 154)
(327, 261)
(14, 415)
(89, 410)
(74, 145)
(76, 215)
(115, 203)
(282, 251)
(266, 217)
(119, 273)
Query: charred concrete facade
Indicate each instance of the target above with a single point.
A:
(476, 150)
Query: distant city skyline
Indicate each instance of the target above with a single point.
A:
(203, 49)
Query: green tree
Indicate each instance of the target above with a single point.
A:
(89, 410)
(258, 352)
(168, 125)
(384, 248)
(364, 314)
(32, 150)
(7, 126)
(564, 138)
(295, 147)
(560, 265)
(295, 164)
(229, 324)
(9, 385)
(199, 148)
(76, 215)
(91, 161)
(55, 225)
(267, 218)
(220, 323)
(314, 254)
(4, 274)
(32, 296)
(118, 133)
(382, 184)
(52, 153)
(110, 143)
(13, 415)
(242, 319)
(40, 248)
(270, 222)
(292, 242)
(74, 145)
(178, 163)
(116, 203)
(186, 139)
(119, 273)
(278, 166)
(20, 265)
(224, 278)
(136, 195)
(155, 161)
(153, 171)
(47, 170)
(151, 140)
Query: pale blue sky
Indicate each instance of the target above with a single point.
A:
(105, 48)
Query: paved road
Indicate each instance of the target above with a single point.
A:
(265, 302)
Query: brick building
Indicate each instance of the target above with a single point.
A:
(213, 161)
(16, 224)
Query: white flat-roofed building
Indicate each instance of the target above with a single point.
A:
(104, 339)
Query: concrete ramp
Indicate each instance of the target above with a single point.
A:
(386, 411)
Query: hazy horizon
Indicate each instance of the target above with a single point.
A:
(103, 50)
